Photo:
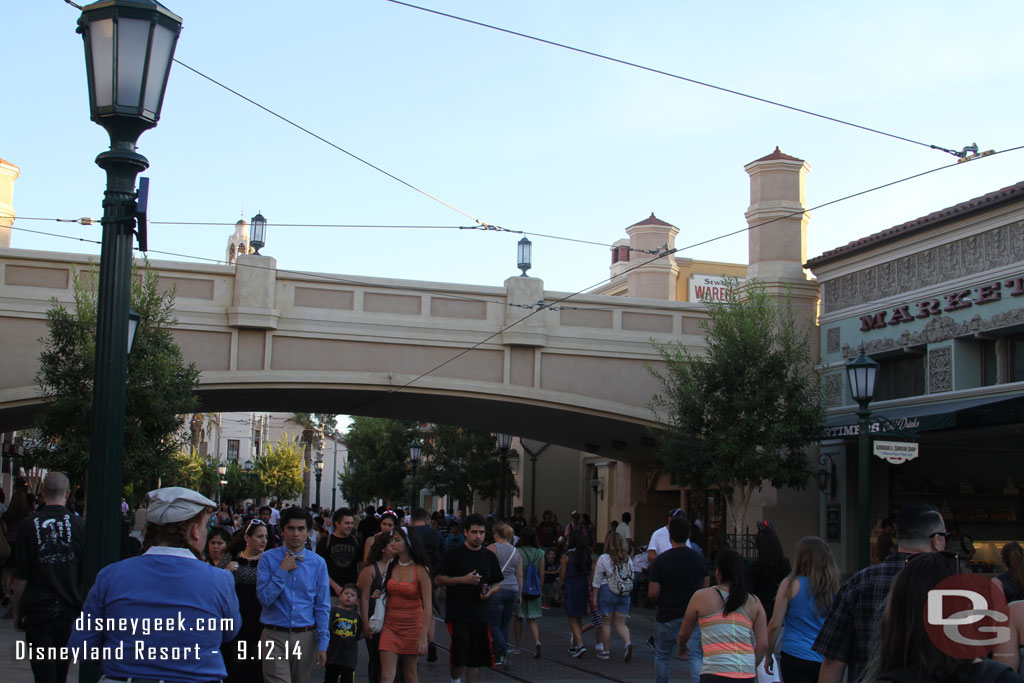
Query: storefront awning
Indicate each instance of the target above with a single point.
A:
(927, 417)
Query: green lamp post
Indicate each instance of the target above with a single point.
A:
(861, 373)
(129, 45)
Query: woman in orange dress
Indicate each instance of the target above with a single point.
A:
(408, 614)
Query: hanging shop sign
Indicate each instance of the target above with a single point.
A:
(896, 452)
(954, 301)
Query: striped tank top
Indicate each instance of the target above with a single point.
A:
(728, 643)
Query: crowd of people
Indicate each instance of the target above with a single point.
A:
(280, 590)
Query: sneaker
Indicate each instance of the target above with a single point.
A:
(650, 643)
(431, 652)
(601, 654)
(579, 652)
(536, 651)
(628, 655)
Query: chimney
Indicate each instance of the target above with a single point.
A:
(778, 249)
(8, 174)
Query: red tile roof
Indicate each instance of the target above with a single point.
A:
(776, 156)
(1013, 193)
(653, 220)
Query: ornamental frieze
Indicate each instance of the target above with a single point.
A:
(938, 329)
(964, 257)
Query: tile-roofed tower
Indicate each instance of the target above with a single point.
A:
(8, 174)
(777, 218)
(655, 279)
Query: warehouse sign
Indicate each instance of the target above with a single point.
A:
(708, 287)
(896, 452)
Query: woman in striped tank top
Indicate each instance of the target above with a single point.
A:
(733, 626)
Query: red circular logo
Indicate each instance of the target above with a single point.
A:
(966, 616)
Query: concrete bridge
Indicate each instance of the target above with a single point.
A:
(272, 340)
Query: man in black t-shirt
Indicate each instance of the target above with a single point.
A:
(471, 575)
(432, 544)
(341, 550)
(676, 575)
(370, 525)
(47, 574)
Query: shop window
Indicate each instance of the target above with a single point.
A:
(1015, 357)
(987, 357)
(232, 450)
(899, 377)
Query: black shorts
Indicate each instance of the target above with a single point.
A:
(471, 644)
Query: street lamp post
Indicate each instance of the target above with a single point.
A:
(504, 442)
(415, 451)
(319, 475)
(861, 373)
(222, 469)
(129, 45)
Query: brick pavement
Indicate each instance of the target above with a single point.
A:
(556, 666)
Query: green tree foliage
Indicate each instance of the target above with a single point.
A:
(159, 385)
(462, 463)
(242, 485)
(191, 470)
(378, 450)
(280, 469)
(745, 411)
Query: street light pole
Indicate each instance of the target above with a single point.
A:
(861, 374)
(504, 442)
(334, 480)
(415, 451)
(319, 475)
(127, 73)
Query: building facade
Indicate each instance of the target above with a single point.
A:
(938, 302)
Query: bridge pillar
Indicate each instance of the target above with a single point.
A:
(253, 301)
(522, 295)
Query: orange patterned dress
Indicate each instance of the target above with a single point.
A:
(403, 620)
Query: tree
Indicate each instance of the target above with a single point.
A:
(241, 484)
(744, 412)
(462, 463)
(280, 471)
(191, 470)
(159, 385)
(315, 426)
(378, 451)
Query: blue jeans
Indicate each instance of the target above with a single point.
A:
(666, 634)
(501, 606)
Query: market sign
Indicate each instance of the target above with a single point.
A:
(896, 452)
(948, 303)
(708, 287)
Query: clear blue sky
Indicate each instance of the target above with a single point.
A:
(519, 134)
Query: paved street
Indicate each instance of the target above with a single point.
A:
(556, 664)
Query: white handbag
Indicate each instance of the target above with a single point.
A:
(377, 618)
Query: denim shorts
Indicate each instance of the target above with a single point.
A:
(608, 602)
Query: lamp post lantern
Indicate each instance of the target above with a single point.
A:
(524, 254)
(415, 452)
(504, 443)
(222, 469)
(861, 373)
(129, 45)
(319, 475)
(258, 225)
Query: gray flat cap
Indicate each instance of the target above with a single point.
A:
(175, 504)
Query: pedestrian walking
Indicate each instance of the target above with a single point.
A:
(1011, 581)
(675, 576)
(610, 588)
(502, 605)
(371, 585)
(530, 607)
(573, 578)
(733, 628)
(294, 589)
(243, 666)
(47, 575)
(346, 630)
(18, 510)
(470, 576)
(431, 543)
(169, 582)
(388, 521)
(216, 552)
(408, 613)
(341, 551)
(804, 598)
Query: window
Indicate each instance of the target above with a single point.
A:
(232, 450)
(987, 353)
(899, 377)
(1015, 357)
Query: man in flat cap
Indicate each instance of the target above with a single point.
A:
(164, 614)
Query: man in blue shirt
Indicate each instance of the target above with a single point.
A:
(164, 614)
(293, 586)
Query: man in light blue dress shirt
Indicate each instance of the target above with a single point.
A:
(161, 616)
(293, 586)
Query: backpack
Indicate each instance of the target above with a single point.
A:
(532, 585)
(620, 581)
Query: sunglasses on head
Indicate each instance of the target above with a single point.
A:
(948, 554)
(944, 534)
(255, 522)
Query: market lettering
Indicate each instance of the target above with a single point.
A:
(954, 301)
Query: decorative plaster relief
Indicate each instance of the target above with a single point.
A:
(938, 329)
(834, 389)
(973, 254)
(832, 340)
(940, 370)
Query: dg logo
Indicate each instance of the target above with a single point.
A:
(966, 616)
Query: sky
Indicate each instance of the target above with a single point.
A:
(515, 133)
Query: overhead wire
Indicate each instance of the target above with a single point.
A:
(687, 79)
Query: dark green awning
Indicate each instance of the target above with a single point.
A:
(911, 420)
